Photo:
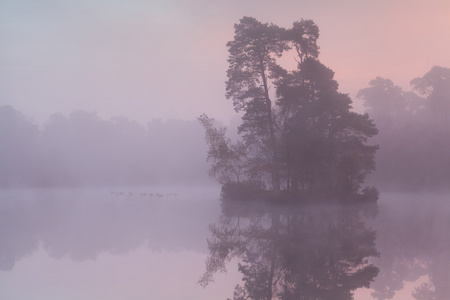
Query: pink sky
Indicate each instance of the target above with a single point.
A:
(167, 59)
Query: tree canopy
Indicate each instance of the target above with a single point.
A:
(298, 131)
(414, 130)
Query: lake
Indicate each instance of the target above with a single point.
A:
(151, 243)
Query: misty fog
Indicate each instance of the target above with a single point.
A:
(81, 195)
(253, 150)
(102, 243)
(414, 131)
(84, 150)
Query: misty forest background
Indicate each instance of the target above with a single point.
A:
(83, 149)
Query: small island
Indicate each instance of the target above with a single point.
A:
(299, 139)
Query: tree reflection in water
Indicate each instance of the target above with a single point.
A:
(414, 241)
(294, 252)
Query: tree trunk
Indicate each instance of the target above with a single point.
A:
(273, 143)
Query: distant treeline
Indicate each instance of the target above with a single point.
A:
(83, 149)
(414, 131)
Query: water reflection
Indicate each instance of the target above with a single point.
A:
(82, 225)
(399, 248)
(294, 252)
(414, 241)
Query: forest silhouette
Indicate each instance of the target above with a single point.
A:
(414, 135)
(298, 132)
(86, 150)
(304, 138)
(298, 136)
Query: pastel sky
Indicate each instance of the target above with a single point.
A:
(160, 59)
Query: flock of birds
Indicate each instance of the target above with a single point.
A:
(157, 195)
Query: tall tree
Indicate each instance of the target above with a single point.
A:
(325, 142)
(253, 70)
(302, 132)
(252, 64)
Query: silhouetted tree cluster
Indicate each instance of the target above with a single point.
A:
(83, 149)
(301, 136)
(319, 252)
(414, 130)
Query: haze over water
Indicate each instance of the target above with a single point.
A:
(106, 150)
(143, 242)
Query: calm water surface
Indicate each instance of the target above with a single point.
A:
(151, 243)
